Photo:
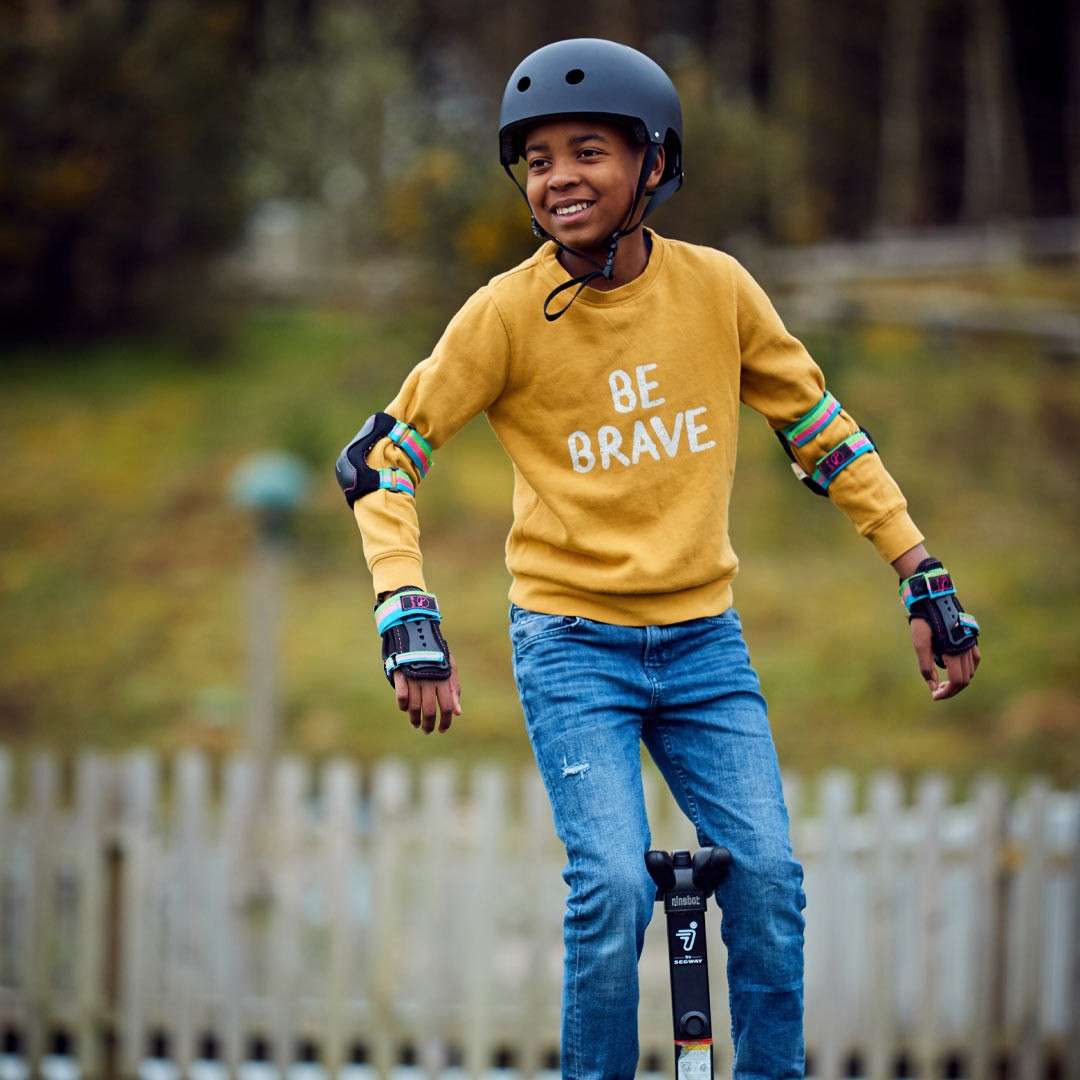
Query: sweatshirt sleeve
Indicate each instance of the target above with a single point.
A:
(464, 374)
(780, 380)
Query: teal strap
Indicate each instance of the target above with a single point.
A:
(410, 604)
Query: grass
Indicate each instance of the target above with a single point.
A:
(124, 566)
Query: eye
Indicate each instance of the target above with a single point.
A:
(535, 162)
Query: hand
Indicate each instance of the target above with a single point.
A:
(960, 669)
(419, 698)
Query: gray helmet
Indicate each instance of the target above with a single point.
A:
(599, 78)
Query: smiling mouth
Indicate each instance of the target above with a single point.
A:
(573, 212)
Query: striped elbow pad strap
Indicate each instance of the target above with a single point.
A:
(414, 604)
(840, 457)
(396, 480)
(414, 444)
(814, 422)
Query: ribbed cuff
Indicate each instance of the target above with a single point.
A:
(895, 535)
(393, 571)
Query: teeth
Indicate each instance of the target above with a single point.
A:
(562, 210)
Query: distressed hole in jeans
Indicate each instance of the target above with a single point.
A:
(573, 770)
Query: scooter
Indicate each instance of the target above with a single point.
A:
(684, 884)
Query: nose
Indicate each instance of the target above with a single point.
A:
(564, 173)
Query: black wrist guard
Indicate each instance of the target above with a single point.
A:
(408, 620)
(929, 594)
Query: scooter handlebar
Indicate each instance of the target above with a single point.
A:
(707, 869)
(711, 864)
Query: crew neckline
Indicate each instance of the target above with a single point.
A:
(558, 275)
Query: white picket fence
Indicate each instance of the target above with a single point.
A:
(392, 922)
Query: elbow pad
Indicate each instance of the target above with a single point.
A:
(358, 479)
(830, 465)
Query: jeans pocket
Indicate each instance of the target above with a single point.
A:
(528, 627)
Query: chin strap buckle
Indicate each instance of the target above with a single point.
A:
(609, 266)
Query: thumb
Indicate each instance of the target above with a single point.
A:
(924, 653)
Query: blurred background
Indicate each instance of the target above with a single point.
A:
(228, 230)
(233, 227)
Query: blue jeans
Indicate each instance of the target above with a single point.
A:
(590, 691)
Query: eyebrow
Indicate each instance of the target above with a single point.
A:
(574, 140)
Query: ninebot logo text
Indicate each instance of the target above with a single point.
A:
(685, 901)
(687, 937)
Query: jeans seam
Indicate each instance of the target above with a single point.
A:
(656, 688)
(573, 1010)
(740, 988)
(695, 817)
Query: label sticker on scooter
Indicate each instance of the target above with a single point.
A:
(695, 1062)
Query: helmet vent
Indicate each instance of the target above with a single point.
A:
(524, 83)
(574, 76)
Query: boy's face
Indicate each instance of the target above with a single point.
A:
(582, 174)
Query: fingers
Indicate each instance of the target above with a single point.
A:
(401, 690)
(415, 703)
(445, 696)
(960, 669)
(924, 653)
(423, 699)
(427, 706)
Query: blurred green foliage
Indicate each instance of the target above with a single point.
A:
(123, 574)
(119, 162)
(140, 141)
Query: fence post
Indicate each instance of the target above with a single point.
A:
(37, 956)
(487, 811)
(89, 848)
(1032, 893)
(437, 817)
(191, 794)
(1072, 1035)
(837, 802)
(245, 904)
(139, 801)
(392, 789)
(989, 885)
(931, 799)
(886, 798)
(339, 787)
(290, 875)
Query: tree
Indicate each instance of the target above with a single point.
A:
(119, 161)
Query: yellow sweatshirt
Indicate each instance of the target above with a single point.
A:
(621, 421)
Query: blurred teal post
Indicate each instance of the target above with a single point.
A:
(270, 485)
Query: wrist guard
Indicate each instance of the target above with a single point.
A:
(408, 620)
(929, 594)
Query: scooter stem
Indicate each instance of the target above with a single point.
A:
(684, 885)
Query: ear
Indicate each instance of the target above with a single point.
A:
(653, 181)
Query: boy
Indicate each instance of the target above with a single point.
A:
(619, 411)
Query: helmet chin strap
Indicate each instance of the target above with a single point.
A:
(608, 269)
